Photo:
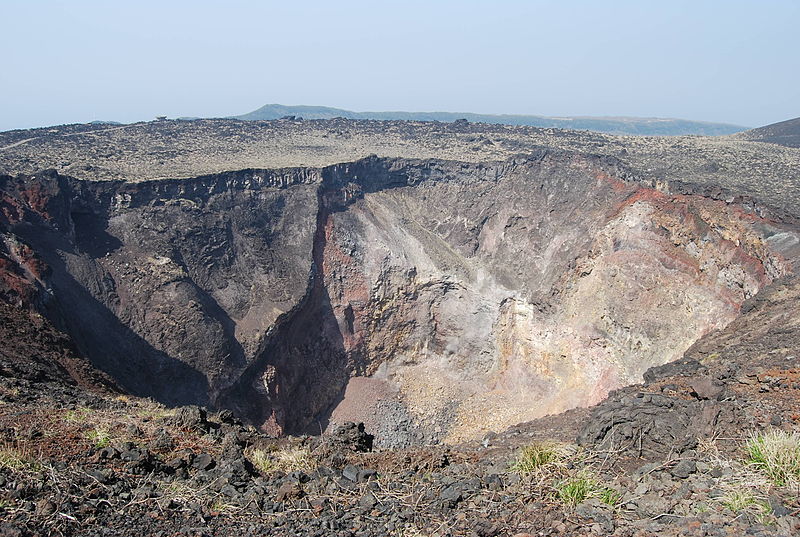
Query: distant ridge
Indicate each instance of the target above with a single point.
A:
(785, 133)
(610, 125)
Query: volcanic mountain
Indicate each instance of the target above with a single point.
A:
(610, 125)
(785, 133)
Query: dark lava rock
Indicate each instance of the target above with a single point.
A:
(685, 367)
(191, 417)
(485, 528)
(11, 530)
(232, 446)
(651, 505)
(368, 500)
(133, 431)
(494, 482)
(162, 442)
(298, 477)
(177, 463)
(651, 424)
(102, 476)
(596, 512)
(237, 473)
(366, 475)
(229, 491)
(777, 506)
(227, 417)
(353, 436)
(108, 453)
(289, 491)
(705, 388)
(133, 455)
(203, 461)
(351, 472)
(45, 507)
(451, 495)
(684, 469)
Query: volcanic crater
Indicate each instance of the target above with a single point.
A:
(434, 300)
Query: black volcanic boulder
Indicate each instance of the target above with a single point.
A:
(642, 423)
(191, 417)
(353, 436)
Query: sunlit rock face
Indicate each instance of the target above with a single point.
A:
(433, 300)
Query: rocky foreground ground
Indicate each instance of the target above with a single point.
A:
(668, 457)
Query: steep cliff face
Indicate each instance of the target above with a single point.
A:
(434, 300)
(468, 298)
(169, 286)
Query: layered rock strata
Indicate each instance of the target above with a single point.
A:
(435, 300)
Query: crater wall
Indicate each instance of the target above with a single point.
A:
(434, 300)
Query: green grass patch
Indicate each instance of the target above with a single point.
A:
(739, 500)
(609, 496)
(745, 501)
(100, 437)
(18, 459)
(575, 490)
(79, 415)
(582, 487)
(776, 454)
(537, 456)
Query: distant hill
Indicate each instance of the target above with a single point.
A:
(785, 133)
(611, 125)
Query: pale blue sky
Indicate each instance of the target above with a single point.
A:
(77, 61)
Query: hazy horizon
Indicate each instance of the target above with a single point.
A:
(154, 117)
(714, 61)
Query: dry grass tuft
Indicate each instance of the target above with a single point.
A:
(261, 460)
(542, 455)
(584, 486)
(287, 459)
(776, 454)
(19, 458)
